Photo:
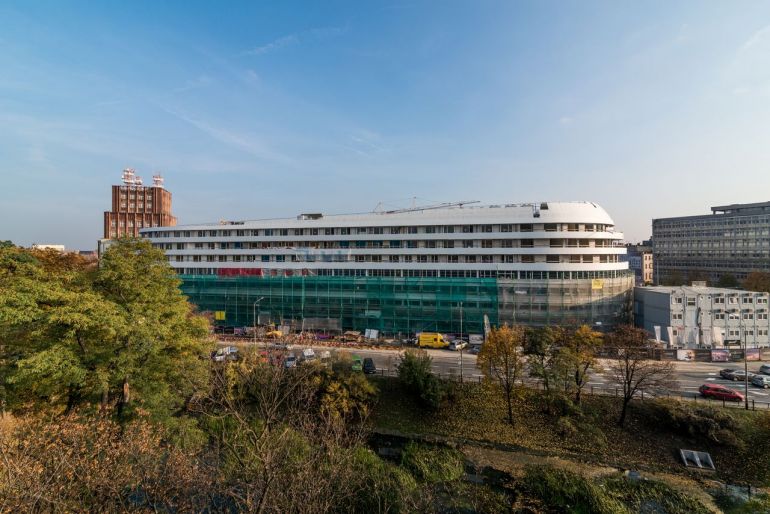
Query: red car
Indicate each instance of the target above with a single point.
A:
(719, 392)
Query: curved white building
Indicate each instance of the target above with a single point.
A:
(409, 270)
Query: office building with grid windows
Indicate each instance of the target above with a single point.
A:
(732, 240)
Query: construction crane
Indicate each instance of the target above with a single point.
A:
(415, 208)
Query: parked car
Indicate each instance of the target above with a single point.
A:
(308, 355)
(727, 373)
(761, 381)
(290, 362)
(458, 344)
(369, 367)
(765, 369)
(357, 365)
(719, 392)
(227, 353)
(740, 375)
(474, 350)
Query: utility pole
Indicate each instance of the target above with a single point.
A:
(462, 342)
(254, 317)
(742, 335)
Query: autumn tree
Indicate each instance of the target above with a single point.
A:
(757, 281)
(631, 369)
(501, 359)
(579, 352)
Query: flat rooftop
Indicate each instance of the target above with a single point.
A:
(692, 289)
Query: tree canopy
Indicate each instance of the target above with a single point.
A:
(119, 335)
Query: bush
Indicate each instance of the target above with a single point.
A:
(651, 496)
(568, 492)
(433, 464)
(384, 487)
(414, 373)
(697, 421)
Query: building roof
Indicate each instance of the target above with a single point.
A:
(740, 207)
(540, 212)
(692, 290)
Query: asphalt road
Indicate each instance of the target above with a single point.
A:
(690, 375)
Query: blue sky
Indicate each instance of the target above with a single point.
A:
(255, 110)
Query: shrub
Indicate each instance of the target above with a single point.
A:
(414, 373)
(651, 496)
(568, 492)
(432, 464)
(698, 421)
(383, 487)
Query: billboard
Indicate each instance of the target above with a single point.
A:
(597, 283)
(752, 354)
(685, 355)
(720, 355)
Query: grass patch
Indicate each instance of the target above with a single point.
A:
(565, 491)
(432, 464)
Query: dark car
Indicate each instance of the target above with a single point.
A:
(727, 373)
(740, 375)
(719, 392)
(369, 367)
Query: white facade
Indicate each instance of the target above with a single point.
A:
(569, 238)
(704, 317)
(410, 270)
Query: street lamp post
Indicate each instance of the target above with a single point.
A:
(254, 317)
(461, 342)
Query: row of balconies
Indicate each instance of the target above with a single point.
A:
(429, 229)
(396, 244)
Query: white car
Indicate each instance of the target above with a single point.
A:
(458, 345)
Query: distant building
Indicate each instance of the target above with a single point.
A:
(58, 248)
(703, 317)
(639, 258)
(732, 240)
(135, 206)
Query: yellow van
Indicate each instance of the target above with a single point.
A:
(432, 340)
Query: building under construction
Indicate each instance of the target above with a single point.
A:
(136, 206)
(430, 268)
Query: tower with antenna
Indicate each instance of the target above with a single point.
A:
(136, 206)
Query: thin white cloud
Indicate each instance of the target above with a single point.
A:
(251, 77)
(756, 38)
(246, 143)
(566, 120)
(196, 83)
(291, 39)
(318, 33)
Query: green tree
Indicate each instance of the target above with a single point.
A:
(415, 373)
(727, 280)
(501, 359)
(158, 355)
(121, 334)
(579, 353)
(542, 349)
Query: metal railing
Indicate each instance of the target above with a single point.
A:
(617, 392)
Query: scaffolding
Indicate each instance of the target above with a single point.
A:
(406, 305)
(392, 305)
